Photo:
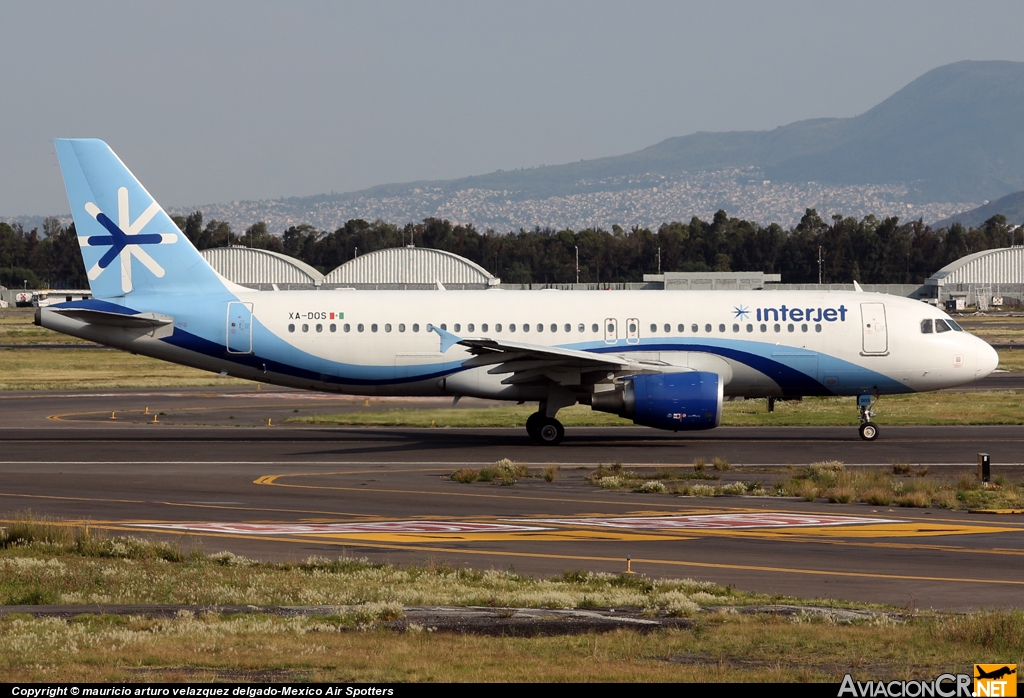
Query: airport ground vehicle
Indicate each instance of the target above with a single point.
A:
(665, 359)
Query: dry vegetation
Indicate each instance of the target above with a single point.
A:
(48, 562)
(903, 485)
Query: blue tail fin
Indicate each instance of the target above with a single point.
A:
(128, 242)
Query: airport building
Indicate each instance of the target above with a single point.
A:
(992, 277)
(263, 270)
(410, 268)
(401, 268)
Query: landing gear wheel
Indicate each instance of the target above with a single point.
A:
(533, 423)
(550, 433)
(869, 431)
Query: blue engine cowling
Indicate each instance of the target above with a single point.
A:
(686, 401)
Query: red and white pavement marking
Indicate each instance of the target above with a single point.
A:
(697, 521)
(718, 521)
(359, 527)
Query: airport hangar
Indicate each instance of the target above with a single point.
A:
(992, 277)
(985, 278)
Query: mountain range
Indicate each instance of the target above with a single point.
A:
(948, 141)
(953, 134)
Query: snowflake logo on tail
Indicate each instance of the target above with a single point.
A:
(125, 240)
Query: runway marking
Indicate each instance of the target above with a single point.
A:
(780, 525)
(360, 527)
(892, 529)
(636, 561)
(719, 521)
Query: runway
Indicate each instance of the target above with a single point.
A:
(285, 492)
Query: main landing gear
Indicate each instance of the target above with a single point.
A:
(546, 431)
(868, 429)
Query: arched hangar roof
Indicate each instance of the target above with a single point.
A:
(411, 266)
(1000, 266)
(249, 267)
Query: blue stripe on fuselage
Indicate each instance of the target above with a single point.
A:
(281, 357)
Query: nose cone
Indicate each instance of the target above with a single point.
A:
(988, 360)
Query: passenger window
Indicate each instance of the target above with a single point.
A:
(469, 327)
(415, 327)
(483, 327)
(817, 327)
(444, 326)
(593, 328)
(668, 327)
(764, 328)
(611, 328)
(941, 326)
(750, 328)
(693, 328)
(319, 327)
(735, 328)
(497, 328)
(387, 327)
(721, 328)
(568, 327)
(681, 327)
(291, 328)
(305, 328)
(554, 327)
(359, 327)
(632, 327)
(458, 327)
(582, 328)
(803, 328)
(540, 327)
(526, 327)
(373, 327)
(512, 327)
(334, 328)
(790, 327)
(778, 327)
(926, 327)
(347, 327)
(401, 327)
(654, 328)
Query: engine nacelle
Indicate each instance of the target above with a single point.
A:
(687, 401)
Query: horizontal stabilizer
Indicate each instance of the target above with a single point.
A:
(142, 321)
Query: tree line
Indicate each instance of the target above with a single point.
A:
(867, 250)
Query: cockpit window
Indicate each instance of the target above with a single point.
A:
(952, 323)
(926, 327)
(941, 326)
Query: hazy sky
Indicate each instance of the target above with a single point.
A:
(217, 101)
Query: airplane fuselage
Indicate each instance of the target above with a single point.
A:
(763, 343)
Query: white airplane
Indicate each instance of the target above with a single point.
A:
(665, 359)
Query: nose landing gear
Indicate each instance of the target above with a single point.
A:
(868, 429)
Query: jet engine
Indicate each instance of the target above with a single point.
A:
(687, 401)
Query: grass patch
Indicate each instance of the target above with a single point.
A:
(719, 648)
(903, 485)
(1011, 359)
(894, 410)
(82, 369)
(47, 561)
(17, 326)
(504, 472)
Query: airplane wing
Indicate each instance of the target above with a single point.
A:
(530, 363)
